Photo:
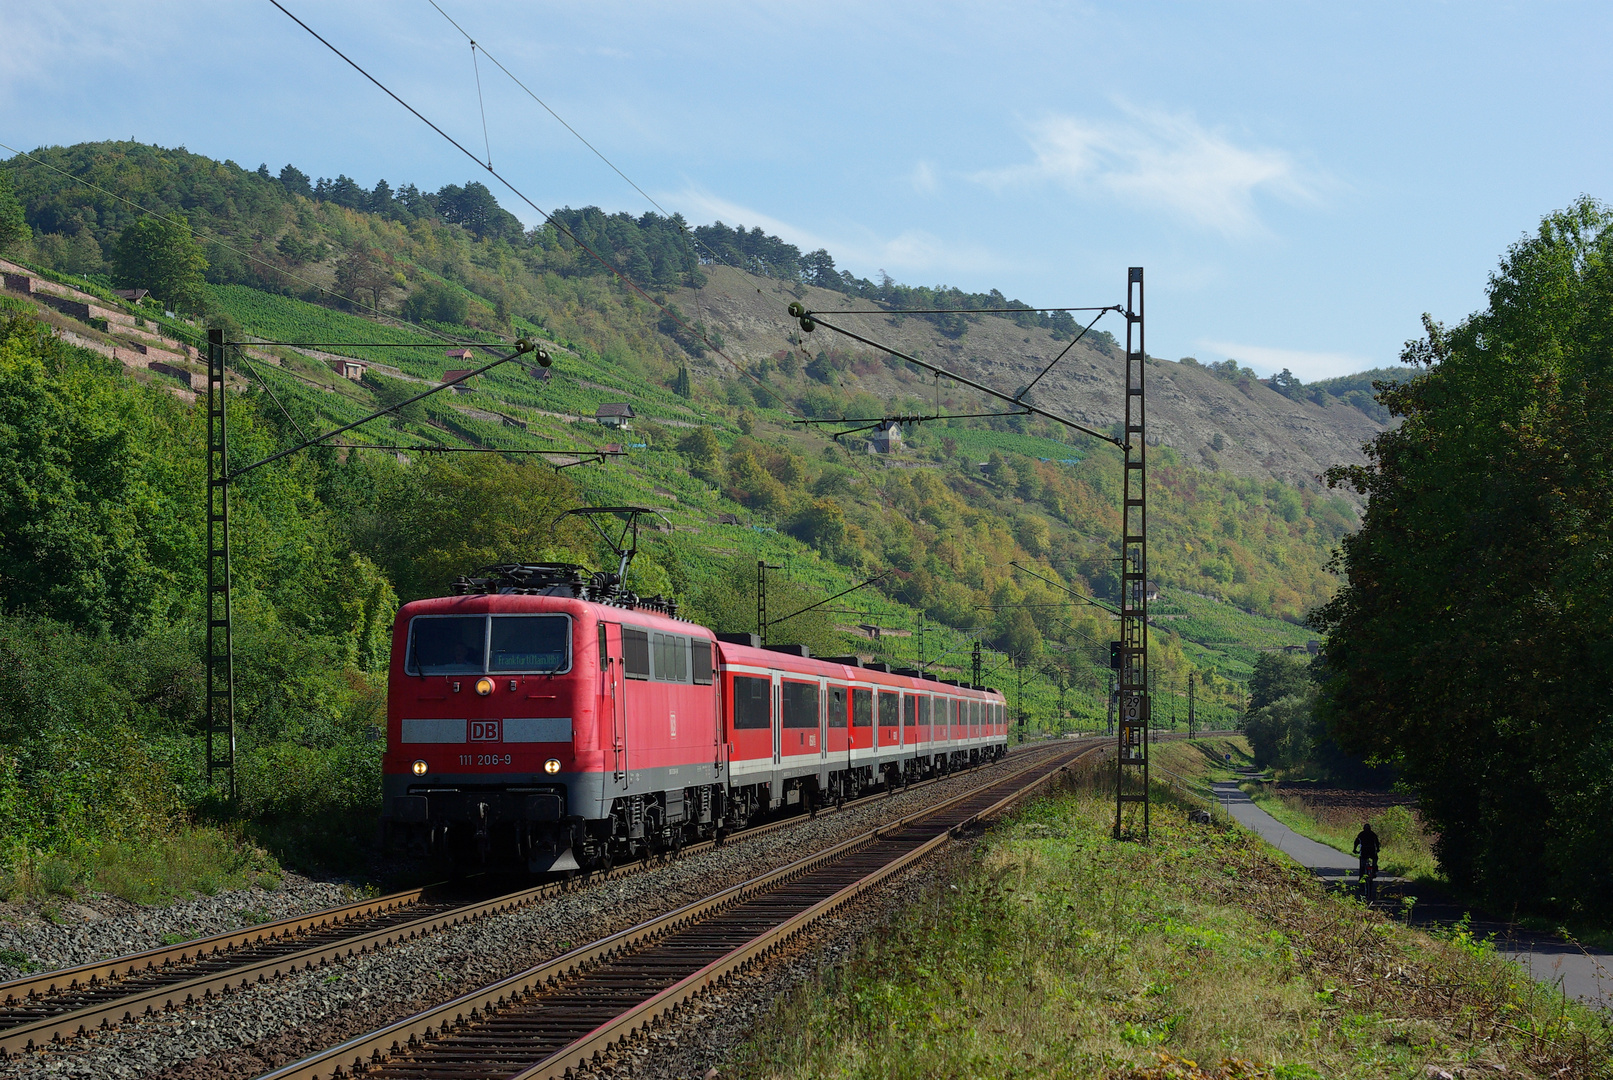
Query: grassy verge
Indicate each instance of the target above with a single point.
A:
(1407, 852)
(195, 861)
(1064, 954)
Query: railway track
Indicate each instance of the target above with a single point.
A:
(560, 1015)
(55, 1006)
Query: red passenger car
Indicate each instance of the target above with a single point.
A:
(548, 716)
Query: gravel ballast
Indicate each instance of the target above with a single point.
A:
(100, 927)
(701, 1042)
(246, 1033)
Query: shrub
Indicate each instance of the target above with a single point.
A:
(435, 301)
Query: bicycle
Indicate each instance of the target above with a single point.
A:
(1367, 880)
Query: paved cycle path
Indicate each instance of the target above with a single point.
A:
(1586, 974)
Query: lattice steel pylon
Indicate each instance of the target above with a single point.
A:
(220, 651)
(1131, 762)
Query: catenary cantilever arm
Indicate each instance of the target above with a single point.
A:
(944, 373)
(522, 347)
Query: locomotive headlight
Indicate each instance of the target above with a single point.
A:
(420, 768)
(484, 686)
(552, 766)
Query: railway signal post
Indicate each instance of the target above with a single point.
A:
(1131, 760)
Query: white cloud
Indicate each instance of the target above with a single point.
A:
(913, 251)
(1309, 366)
(1159, 160)
(701, 207)
(923, 179)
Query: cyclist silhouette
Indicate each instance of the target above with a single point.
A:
(1366, 846)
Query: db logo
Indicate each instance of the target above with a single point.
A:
(484, 731)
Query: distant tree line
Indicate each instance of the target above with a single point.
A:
(1358, 391)
(76, 227)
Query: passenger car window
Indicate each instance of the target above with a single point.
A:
(837, 706)
(862, 708)
(890, 709)
(800, 705)
(751, 701)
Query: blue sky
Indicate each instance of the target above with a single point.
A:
(1300, 180)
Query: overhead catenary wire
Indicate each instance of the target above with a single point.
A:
(522, 347)
(486, 142)
(695, 240)
(690, 235)
(560, 227)
(301, 434)
(669, 215)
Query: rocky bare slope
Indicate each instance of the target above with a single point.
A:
(1245, 428)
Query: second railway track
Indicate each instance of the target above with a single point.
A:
(51, 1007)
(559, 1015)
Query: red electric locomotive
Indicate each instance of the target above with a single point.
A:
(546, 715)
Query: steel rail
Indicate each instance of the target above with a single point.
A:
(128, 1007)
(382, 1048)
(65, 980)
(74, 1001)
(580, 1054)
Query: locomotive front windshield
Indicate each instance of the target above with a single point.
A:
(530, 643)
(451, 645)
(461, 644)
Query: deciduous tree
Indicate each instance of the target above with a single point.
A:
(1472, 644)
(160, 254)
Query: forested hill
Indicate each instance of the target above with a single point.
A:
(454, 259)
(283, 232)
(100, 518)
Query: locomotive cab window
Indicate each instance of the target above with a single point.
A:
(800, 705)
(837, 706)
(752, 698)
(536, 643)
(862, 708)
(447, 645)
(700, 662)
(635, 653)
